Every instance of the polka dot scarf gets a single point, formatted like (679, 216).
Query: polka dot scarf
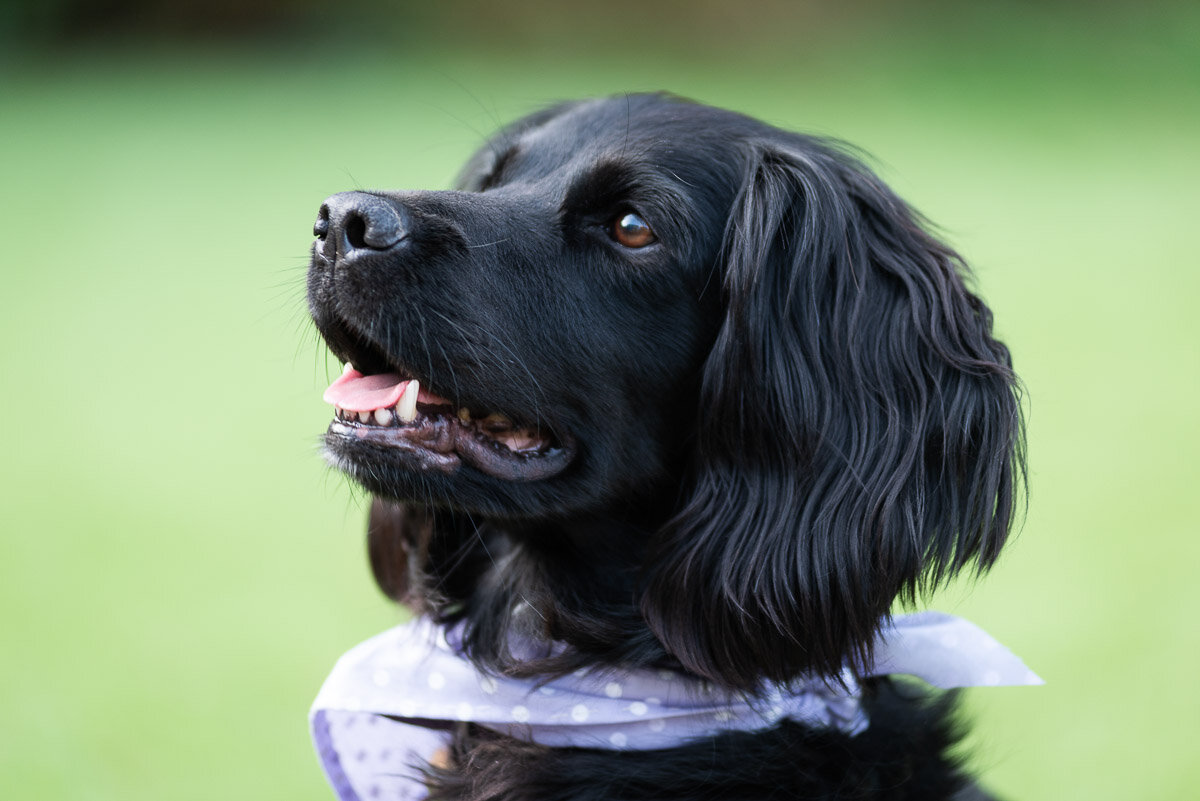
(416, 672)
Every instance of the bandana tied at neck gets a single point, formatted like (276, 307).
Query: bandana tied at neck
(390, 702)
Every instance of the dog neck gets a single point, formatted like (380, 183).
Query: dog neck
(574, 581)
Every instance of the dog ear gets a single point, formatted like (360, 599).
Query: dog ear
(431, 561)
(860, 429)
(387, 549)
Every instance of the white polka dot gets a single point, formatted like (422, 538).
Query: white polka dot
(991, 678)
(612, 690)
(464, 711)
(520, 714)
(381, 678)
(619, 740)
(658, 724)
(579, 713)
(488, 685)
(436, 681)
(637, 708)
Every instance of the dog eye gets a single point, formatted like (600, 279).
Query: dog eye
(631, 231)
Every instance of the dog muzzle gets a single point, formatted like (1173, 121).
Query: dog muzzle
(390, 704)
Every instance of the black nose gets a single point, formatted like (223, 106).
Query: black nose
(356, 221)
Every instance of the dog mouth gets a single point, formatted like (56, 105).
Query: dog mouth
(394, 412)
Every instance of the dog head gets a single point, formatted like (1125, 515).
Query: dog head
(731, 345)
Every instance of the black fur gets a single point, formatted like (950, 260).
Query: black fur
(783, 415)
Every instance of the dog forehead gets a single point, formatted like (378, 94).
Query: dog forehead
(655, 131)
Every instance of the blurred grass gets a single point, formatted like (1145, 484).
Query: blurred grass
(178, 571)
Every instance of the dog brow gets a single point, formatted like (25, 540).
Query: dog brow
(604, 183)
(499, 164)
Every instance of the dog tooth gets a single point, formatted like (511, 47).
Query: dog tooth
(406, 407)
(364, 417)
(383, 417)
(496, 422)
(348, 368)
(519, 440)
(464, 415)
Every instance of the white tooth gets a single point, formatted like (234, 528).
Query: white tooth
(349, 367)
(519, 440)
(464, 415)
(364, 417)
(406, 407)
(383, 417)
(496, 422)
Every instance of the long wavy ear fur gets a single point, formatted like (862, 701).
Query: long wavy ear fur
(860, 435)
(389, 545)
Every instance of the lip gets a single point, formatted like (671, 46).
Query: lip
(443, 443)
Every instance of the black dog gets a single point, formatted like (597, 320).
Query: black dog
(696, 394)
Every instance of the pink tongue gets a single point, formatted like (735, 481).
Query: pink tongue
(356, 392)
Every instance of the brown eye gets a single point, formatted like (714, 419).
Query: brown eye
(631, 231)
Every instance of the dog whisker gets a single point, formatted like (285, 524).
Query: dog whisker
(490, 244)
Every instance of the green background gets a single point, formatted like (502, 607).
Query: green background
(178, 570)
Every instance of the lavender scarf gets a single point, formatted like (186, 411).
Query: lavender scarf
(417, 672)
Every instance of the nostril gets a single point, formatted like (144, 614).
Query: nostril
(321, 226)
(356, 231)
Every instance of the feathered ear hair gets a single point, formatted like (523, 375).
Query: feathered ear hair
(429, 561)
(860, 429)
(392, 532)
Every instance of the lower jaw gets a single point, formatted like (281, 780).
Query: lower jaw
(344, 441)
(437, 446)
